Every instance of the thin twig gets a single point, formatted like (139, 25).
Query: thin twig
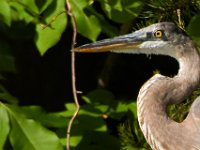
(44, 26)
(73, 20)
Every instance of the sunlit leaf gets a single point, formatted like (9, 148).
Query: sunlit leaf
(21, 12)
(55, 22)
(102, 108)
(26, 134)
(119, 110)
(121, 107)
(133, 107)
(30, 6)
(4, 125)
(75, 140)
(5, 13)
(88, 26)
(70, 106)
(86, 99)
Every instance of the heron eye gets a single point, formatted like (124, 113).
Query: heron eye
(158, 33)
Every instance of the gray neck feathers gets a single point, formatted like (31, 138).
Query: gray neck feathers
(160, 131)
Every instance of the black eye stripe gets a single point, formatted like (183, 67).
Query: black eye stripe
(149, 35)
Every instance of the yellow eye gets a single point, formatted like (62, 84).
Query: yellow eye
(158, 33)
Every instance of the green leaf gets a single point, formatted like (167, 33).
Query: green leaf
(5, 13)
(56, 21)
(42, 5)
(88, 121)
(133, 108)
(106, 27)
(21, 12)
(119, 111)
(122, 10)
(70, 106)
(36, 6)
(101, 96)
(4, 126)
(7, 97)
(86, 99)
(89, 113)
(96, 123)
(26, 134)
(103, 108)
(98, 141)
(7, 60)
(88, 26)
(75, 140)
(193, 28)
(30, 6)
(47, 119)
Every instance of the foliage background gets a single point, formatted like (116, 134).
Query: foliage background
(36, 100)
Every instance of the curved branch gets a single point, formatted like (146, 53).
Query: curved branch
(73, 20)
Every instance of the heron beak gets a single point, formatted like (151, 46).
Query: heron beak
(118, 44)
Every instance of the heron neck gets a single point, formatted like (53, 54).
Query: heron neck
(188, 77)
(160, 91)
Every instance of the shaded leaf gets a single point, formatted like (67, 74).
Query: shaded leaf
(36, 6)
(89, 120)
(128, 140)
(26, 134)
(122, 10)
(56, 21)
(30, 6)
(4, 125)
(193, 28)
(7, 97)
(47, 119)
(5, 12)
(42, 5)
(98, 141)
(106, 27)
(96, 123)
(7, 60)
(100, 96)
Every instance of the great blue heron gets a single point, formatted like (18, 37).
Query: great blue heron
(161, 132)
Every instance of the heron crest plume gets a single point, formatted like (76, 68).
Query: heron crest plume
(165, 38)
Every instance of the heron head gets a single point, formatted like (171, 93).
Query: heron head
(161, 38)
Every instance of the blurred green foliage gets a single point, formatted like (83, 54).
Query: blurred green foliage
(43, 23)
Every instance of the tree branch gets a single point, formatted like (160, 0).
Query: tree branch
(73, 21)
